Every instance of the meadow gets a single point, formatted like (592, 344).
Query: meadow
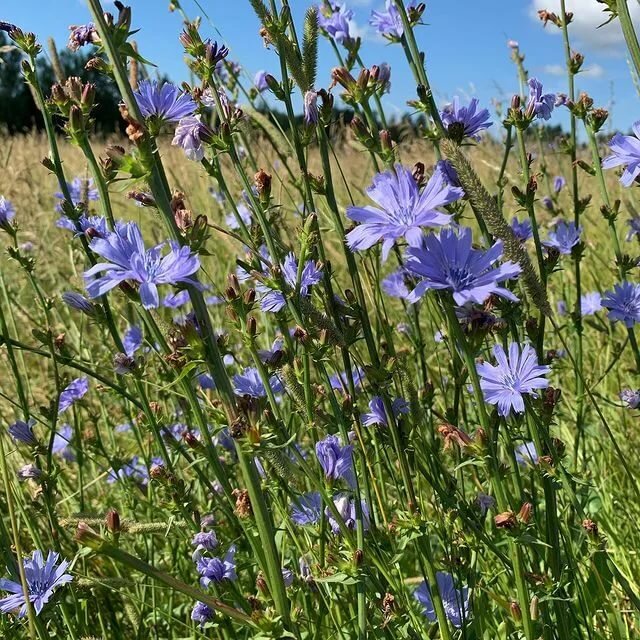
(317, 380)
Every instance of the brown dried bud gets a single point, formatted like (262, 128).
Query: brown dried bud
(525, 513)
(385, 140)
(358, 556)
(252, 326)
(452, 435)
(516, 611)
(58, 341)
(144, 198)
(238, 427)
(505, 520)
(113, 521)
(549, 16)
(263, 184)
(249, 296)
(261, 583)
(388, 605)
(183, 219)
(590, 527)
(191, 440)
(243, 503)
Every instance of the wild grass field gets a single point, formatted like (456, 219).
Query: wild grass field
(300, 416)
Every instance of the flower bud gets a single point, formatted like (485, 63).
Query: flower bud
(525, 513)
(113, 521)
(505, 520)
(516, 611)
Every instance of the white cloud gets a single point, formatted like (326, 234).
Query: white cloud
(585, 30)
(591, 71)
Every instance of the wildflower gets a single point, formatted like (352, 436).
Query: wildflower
(448, 172)
(631, 398)
(518, 373)
(526, 453)
(485, 502)
(634, 228)
(384, 77)
(388, 22)
(43, 577)
(590, 303)
(522, 230)
(447, 261)
(306, 509)
(81, 190)
(455, 601)
(128, 259)
(465, 122)
(216, 569)
(403, 210)
(74, 391)
(395, 284)
(165, 103)
(23, 432)
(249, 383)
(340, 381)
(175, 300)
(245, 215)
(7, 211)
(260, 81)
(202, 614)
(564, 237)
(92, 226)
(273, 300)
(132, 340)
(346, 507)
(310, 107)
(547, 202)
(62, 443)
(135, 470)
(266, 355)
(82, 34)
(625, 151)
(558, 183)
(28, 472)
(79, 302)
(623, 303)
(336, 460)
(189, 136)
(287, 577)
(561, 307)
(377, 414)
(335, 21)
(539, 105)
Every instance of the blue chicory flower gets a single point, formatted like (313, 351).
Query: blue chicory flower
(74, 391)
(79, 302)
(163, 102)
(310, 107)
(623, 303)
(455, 601)
(245, 215)
(80, 190)
(515, 374)
(526, 454)
(522, 230)
(465, 122)
(128, 259)
(62, 443)
(7, 211)
(189, 136)
(403, 209)
(335, 20)
(43, 578)
(306, 509)
(630, 397)
(558, 183)
(590, 303)
(22, 432)
(564, 237)
(625, 152)
(249, 383)
(213, 570)
(346, 507)
(336, 460)
(388, 22)
(260, 81)
(340, 381)
(132, 340)
(539, 105)
(634, 228)
(377, 413)
(448, 261)
(395, 284)
(201, 613)
(273, 300)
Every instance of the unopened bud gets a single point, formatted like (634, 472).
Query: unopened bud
(525, 513)
(113, 521)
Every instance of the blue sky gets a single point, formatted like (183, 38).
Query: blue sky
(464, 40)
